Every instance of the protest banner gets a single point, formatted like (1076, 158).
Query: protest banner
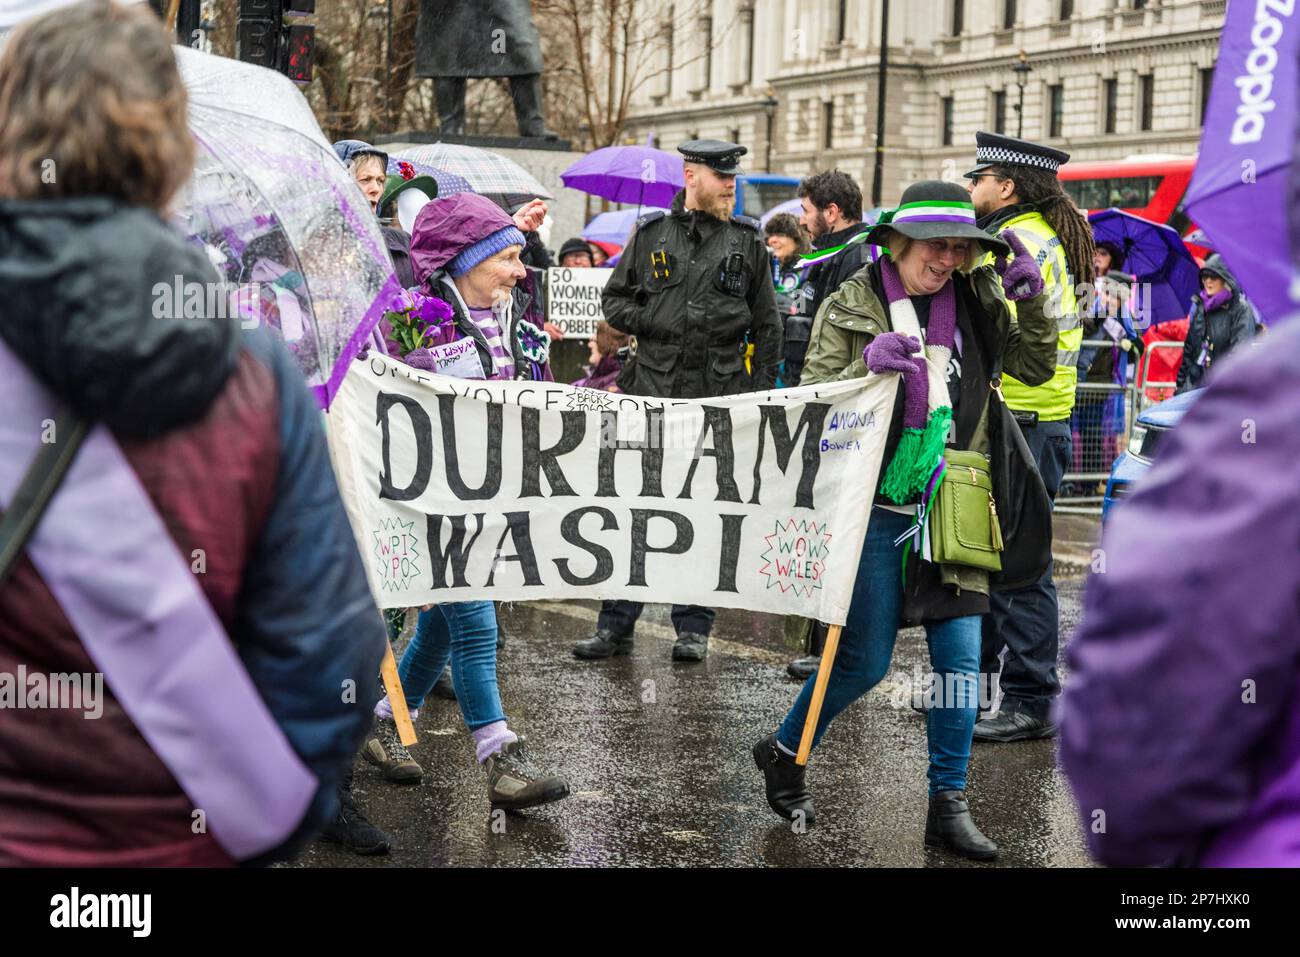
(461, 490)
(573, 299)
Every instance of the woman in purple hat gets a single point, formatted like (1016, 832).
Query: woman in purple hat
(924, 288)
(465, 253)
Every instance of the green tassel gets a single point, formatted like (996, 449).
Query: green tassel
(915, 459)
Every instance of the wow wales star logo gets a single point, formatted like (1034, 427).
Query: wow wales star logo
(395, 547)
(796, 556)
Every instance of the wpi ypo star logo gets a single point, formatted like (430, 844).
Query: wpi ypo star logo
(796, 556)
(395, 547)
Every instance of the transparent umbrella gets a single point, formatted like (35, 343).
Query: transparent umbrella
(281, 218)
(488, 173)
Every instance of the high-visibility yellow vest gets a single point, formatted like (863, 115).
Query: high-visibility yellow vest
(1054, 399)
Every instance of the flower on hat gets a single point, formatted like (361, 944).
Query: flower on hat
(405, 170)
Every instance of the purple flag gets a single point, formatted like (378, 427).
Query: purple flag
(1240, 190)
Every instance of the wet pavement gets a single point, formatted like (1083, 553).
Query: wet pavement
(657, 756)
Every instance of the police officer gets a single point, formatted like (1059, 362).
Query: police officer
(694, 285)
(1014, 188)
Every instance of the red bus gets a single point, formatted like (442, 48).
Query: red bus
(1152, 187)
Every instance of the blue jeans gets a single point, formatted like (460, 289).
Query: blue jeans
(465, 632)
(867, 645)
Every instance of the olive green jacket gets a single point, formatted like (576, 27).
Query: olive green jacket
(854, 315)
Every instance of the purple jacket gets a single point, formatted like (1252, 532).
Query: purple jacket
(447, 225)
(603, 376)
(1181, 719)
(441, 231)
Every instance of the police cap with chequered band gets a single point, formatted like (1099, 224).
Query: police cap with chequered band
(718, 156)
(994, 149)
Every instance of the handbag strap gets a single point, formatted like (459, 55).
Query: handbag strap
(38, 486)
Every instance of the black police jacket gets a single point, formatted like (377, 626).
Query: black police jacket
(694, 290)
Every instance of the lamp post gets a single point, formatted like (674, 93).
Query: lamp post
(1022, 70)
(769, 110)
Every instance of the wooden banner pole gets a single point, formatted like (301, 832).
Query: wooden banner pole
(819, 693)
(396, 697)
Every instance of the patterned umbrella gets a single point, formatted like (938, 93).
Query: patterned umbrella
(279, 216)
(448, 183)
(487, 173)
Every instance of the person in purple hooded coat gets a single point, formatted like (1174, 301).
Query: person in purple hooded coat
(1180, 724)
(465, 251)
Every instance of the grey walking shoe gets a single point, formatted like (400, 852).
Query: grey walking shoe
(514, 782)
(385, 751)
(690, 647)
(605, 644)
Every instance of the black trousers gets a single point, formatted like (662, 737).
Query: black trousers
(1027, 621)
(620, 617)
(526, 91)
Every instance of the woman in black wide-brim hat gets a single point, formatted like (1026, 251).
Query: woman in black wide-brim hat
(946, 282)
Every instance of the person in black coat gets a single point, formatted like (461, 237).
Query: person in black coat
(694, 286)
(1221, 320)
(832, 216)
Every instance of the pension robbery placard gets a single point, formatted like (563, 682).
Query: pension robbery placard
(460, 490)
(573, 299)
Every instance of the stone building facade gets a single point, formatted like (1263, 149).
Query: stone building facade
(1107, 79)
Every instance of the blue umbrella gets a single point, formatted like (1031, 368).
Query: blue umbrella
(1155, 255)
(616, 225)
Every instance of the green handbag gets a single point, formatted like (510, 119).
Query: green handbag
(963, 520)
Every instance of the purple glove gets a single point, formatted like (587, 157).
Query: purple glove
(1021, 278)
(419, 359)
(892, 352)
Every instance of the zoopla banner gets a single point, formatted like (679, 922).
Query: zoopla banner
(1240, 193)
(461, 490)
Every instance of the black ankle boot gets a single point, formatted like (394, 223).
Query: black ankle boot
(787, 793)
(949, 824)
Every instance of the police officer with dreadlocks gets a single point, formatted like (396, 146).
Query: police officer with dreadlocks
(1014, 189)
(694, 285)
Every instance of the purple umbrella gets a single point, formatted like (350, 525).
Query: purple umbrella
(1156, 256)
(628, 174)
(448, 183)
(792, 206)
(616, 225)
(1240, 192)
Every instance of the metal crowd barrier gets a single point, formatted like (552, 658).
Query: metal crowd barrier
(1103, 417)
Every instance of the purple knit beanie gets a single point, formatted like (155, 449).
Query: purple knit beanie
(488, 246)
